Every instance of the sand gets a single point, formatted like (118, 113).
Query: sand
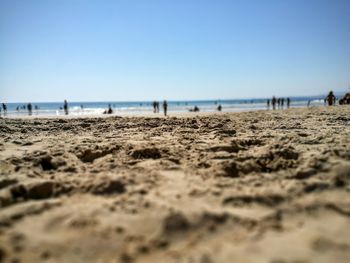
(266, 186)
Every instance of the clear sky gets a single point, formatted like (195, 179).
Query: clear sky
(86, 50)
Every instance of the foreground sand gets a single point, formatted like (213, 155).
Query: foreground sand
(242, 187)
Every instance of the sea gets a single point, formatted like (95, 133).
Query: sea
(141, 108)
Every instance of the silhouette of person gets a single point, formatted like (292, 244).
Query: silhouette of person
(278, 103)
(219, 107)
(4, 107)
(65, 107)
(282, 103)
(30, 109)
(274, 100)
(345, 99)
(110, 111)
(154, 106)
(330, 98)
(268, 104)
(165, 107)
(288, 103)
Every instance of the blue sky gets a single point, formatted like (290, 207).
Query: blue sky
(175, 49)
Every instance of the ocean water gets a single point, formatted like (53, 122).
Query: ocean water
(146, 108)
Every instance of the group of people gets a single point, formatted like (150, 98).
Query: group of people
(29, 107)
(331, 99)
(156, 107)
(279, 102)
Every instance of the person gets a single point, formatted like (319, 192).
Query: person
(65, 107)
(268, 104)
(345, 99)
(154, 106)
(274, 102)
(4, 107)
(282, 103)
(278, 103)
(17, 108)
(165, 107)
(157, 106)
(30, 109)
(195, 109)
(330, 98)
(288, 103)
(308, 103)
(110, 111)
(219, 107)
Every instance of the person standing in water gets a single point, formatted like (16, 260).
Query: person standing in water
(65, 107)
(274, 102)
(268, 104)
(330, 98)
(4, 107)
(165, 107)
(30, 109)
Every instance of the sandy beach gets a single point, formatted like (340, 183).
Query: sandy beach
(264, 186)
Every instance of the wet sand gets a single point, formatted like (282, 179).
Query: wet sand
(265, 186)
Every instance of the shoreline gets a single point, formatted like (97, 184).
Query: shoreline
(158, 115)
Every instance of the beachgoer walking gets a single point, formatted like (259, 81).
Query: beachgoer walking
(288, 103)
(268, 104)
(65, 107)
(330, 98)
(165, 107)
(282, 103)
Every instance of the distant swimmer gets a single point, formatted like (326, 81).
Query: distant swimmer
(30, 109)
(165, 107)
(219, 107)
(65, 107)
(330, 99)
(273, 101)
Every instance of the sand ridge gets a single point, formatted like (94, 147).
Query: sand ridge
(265, 186)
